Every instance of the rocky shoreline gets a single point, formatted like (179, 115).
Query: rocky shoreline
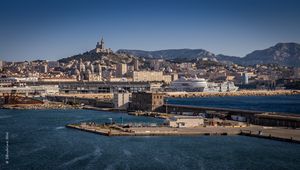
(45, 106)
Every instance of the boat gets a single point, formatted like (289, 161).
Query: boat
(200, 85)
(226, 86)
(188, 84)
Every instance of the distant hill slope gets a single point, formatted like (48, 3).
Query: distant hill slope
(170, 54)
(228, 59)
(287, 54)
(84, 57)
(111, 58)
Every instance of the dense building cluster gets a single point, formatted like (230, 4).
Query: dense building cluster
(103, 65)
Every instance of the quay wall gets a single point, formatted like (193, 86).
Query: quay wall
(283, 139)
(80, 100)
(253, 117)
(280, 134)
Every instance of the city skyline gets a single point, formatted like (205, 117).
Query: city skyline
(53, 29)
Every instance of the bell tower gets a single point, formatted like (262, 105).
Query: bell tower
(100, 48)
(102, 44)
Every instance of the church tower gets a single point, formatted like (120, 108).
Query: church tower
(100, 48)
(102, 44)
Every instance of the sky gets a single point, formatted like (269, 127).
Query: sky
(54, 29)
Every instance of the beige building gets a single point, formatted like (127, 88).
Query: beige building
(230, 78)
(121, 100)
(185, 121)
(1, 64)
(57, 80)
(167, 79)
(121, 69)
(145, 76)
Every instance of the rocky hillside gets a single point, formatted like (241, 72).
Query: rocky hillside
(111, 58)
(228, 59)
(287, 54)
(170, 54)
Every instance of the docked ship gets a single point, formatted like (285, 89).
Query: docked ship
(200, 85)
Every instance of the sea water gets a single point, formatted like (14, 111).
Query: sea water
(38, 139)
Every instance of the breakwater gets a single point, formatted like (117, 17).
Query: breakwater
(270, 136)
(48, 105)
(274, 133)
(237, 93)
(117, 130)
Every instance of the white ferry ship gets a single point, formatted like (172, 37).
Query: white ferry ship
(201, 85)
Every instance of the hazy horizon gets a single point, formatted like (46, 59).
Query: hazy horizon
(57, 29)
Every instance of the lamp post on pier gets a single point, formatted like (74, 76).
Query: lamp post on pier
(166, 105)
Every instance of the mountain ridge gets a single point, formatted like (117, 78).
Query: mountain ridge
(169, 53)
(287, 54)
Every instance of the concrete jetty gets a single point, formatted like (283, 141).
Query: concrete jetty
(251, 116)
(274, 133)
(280, 134)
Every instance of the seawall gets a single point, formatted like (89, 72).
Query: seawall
(237, 93)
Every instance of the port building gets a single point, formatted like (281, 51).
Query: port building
(185, 121)
(147, 101)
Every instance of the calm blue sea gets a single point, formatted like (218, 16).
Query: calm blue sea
(39, 140)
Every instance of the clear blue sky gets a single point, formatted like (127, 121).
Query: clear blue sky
(54, 29)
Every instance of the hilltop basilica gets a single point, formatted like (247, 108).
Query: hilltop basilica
(89, 70)
(101, 49)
